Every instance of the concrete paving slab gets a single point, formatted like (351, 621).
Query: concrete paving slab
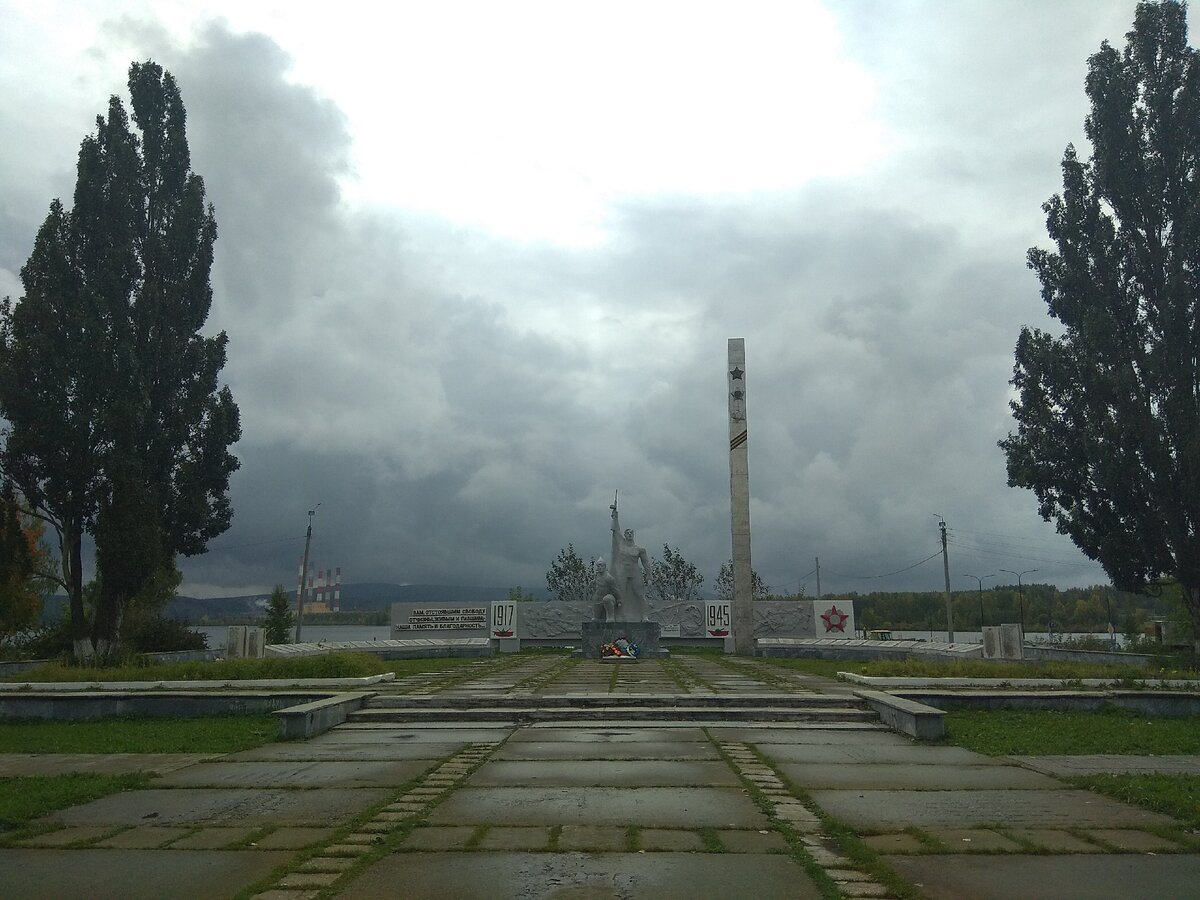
(388, 733)
(308, 773)
(605, 773)
(1132, 840)
(132, 874)
(894, 843)
(65, 837)
(145, 837)
(1085, 877)
(753, 841)
(900, 754)
(974, 840)
(213, 838)
(679, 807)
(966, 808)
(881, 776)
(302, 750)
(14, 765)
(591, 837)
(180, 806)
(849, 735)
(450, 837)
(1105, 764)
(536, 838)
(1054, 840)
(614, 735)
(292, 838)
(607, 750)
(539, 876)
(677, 840)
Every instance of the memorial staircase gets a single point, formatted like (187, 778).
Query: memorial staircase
(812, 709)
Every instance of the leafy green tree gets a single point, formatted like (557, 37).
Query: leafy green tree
(724, 583)
(569, 577)
(118, 426)
(673, 579)
(1108, 414)
(280, 618)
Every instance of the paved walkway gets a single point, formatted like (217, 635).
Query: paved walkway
(591, 809)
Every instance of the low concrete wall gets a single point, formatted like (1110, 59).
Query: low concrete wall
(17, 666)
(1167, 704)
(81, 705)
(1062, 654)
(918, 720)
(207, 655)
(307, 720)
(868, 651)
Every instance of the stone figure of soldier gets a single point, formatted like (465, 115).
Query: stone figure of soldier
(604, 594)
(631, 567)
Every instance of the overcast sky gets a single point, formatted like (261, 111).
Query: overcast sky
(478, 264)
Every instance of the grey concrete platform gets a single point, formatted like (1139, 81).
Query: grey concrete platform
(586, 809)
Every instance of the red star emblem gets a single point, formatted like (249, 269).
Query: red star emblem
(835, 619)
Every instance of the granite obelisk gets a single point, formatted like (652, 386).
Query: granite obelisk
(739, 501)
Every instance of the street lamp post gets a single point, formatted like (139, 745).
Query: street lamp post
(304, 575)
(980, 578)
(1020, 591)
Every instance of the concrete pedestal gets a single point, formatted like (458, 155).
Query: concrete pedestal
(644, 634)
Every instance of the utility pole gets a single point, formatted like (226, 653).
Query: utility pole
(946, 571)
(1021, 593)
(304, 575)
(818, 559)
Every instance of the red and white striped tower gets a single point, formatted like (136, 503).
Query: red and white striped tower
(337, 589)
(320, 585)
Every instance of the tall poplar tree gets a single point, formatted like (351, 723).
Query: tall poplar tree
(1108, 410)
(118, 426)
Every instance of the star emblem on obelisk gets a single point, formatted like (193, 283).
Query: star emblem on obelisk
(835, 619)
(737, 373)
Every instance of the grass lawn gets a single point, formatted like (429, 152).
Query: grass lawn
(329, 665)
(1173, 795)
(1003, 732)
(23, 799)
(214, 734)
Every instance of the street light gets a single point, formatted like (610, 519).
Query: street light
(304, 574)
(980, 580)
(1021, 591)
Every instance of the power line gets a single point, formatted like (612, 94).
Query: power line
(253, 544)
(1011, 555)
(886, 574)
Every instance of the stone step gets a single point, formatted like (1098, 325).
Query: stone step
(617, 713)
(606, 700)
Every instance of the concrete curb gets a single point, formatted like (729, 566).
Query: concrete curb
(888, 682)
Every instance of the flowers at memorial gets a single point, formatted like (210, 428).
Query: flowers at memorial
(621, 647)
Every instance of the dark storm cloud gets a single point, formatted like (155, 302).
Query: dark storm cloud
(464, 406)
